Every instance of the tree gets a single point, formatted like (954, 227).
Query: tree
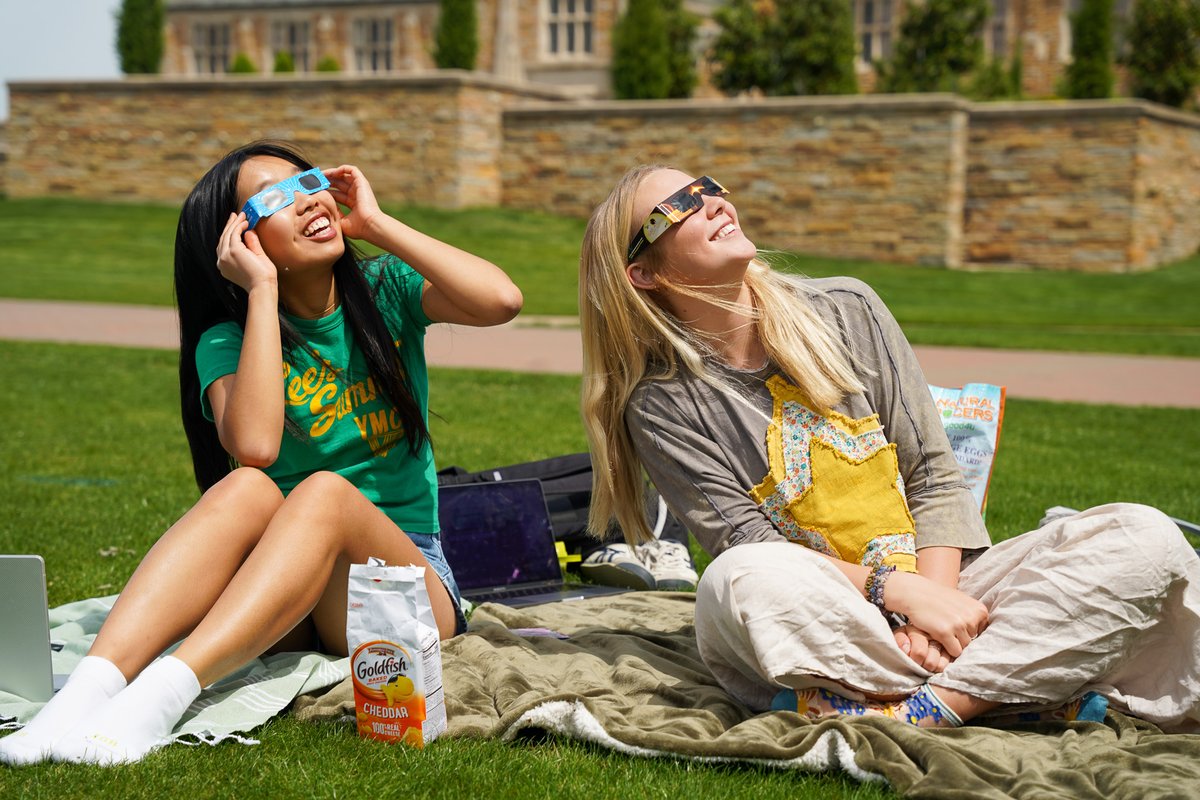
(456, 43)
(681, 26)
(796, 47)
(939, 42)
(741, 51)
(1090, 73)
(1162, 56)
(816, 46)
(641, 61)
(140, 36)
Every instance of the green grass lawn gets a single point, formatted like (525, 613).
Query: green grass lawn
(78, 250)
(94, 466)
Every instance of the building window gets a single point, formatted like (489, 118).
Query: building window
(873, 19)
(210, 48)
(292, 37)
(996, 31)
(569, 28)
(373, 39)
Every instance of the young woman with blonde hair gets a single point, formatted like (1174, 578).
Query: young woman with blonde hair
(772, 411)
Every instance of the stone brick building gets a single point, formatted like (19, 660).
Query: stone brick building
(563, 43)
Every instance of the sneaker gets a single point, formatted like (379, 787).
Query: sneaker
(670, 563)
(617, 565)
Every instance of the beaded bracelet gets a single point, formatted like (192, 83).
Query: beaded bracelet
(875, 583)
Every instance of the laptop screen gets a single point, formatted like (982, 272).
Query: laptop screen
(497, 533)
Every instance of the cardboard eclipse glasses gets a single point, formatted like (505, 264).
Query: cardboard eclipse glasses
(676, 208)
(283, 194)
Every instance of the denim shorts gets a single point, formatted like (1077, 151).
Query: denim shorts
(431, 547)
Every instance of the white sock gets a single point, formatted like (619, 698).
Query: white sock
(138, 720)
(93, 681)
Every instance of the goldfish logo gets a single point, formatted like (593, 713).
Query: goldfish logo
(397, 690)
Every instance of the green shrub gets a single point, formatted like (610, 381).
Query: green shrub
(993, 82)
(1162, 56)
(456, 41)
(329, 64)
(284, 62)
(801, 48)
(1090, 73)
(242, 65)
(741, 52)
(641, 62)
(681, 27)
(140, 36)
(939, 42)
(816, 47)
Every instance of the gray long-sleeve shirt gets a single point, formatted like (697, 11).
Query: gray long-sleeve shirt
(705, 449)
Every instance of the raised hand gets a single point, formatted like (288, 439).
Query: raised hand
(351, 189)
(240, 257)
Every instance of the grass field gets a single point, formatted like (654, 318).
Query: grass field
(93, 467)
(85, 422)
(77, 250)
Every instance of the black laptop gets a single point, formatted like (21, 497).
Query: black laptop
(498, 540)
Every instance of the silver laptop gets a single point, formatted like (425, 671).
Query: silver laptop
(499, 542)
(25, 668)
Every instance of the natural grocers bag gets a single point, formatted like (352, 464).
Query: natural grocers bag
(395, 654)
(971, 416)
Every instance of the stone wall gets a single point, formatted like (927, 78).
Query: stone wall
(918, 179)
(3, 159)
(860, 177)
(1166, 188)
(1094, 186)
(429, 139)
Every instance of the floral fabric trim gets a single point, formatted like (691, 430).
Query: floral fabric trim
(834, 483)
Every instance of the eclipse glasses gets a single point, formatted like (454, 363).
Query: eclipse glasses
(676, 208)
(283, 194)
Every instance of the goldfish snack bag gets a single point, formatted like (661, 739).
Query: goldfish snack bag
(395, 654)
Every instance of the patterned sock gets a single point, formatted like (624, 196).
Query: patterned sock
(819, 703)
(93, 681)
(135, 722)
(923, 708)
(1090, 707)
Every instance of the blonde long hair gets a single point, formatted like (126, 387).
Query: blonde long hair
(628, 337)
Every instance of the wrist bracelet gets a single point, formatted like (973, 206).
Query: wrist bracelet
(875, 582)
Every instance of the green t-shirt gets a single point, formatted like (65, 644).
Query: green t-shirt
(347, 426)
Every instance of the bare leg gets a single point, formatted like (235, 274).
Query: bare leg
(185, 572)
(297, 567)
(300, 566)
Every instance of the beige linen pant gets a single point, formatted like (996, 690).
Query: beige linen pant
(1105, 600)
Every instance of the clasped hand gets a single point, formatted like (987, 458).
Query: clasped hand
(942, 621)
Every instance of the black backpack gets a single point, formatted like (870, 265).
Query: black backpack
(567, 483)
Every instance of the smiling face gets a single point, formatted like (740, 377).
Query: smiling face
(708, 248)
(308, 232)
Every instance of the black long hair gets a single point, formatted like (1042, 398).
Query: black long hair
(205, 298)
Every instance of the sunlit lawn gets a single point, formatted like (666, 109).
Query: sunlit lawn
(76, 250)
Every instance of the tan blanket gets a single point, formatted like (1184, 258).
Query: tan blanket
(628, 677)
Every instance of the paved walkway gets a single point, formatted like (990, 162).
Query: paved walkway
(532, 344)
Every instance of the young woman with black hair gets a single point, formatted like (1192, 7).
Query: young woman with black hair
(302, 474)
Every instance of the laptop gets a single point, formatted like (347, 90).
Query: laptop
(25, 668)
(498, 540)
